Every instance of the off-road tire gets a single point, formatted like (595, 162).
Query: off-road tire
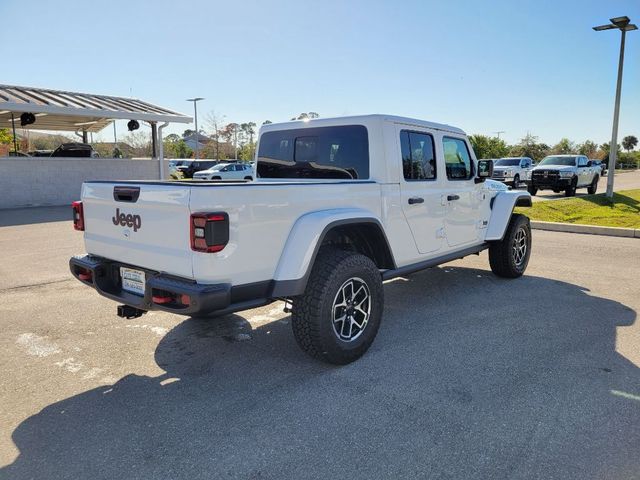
(501, 254)
(312, 317)
(593, 188)
(570, 191)
(532, 190)
(516, 181)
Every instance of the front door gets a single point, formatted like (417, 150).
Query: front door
(584, 172)
(421, 189)
(462, 194)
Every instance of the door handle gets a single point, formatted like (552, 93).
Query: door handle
(414, 200)
(451, 198)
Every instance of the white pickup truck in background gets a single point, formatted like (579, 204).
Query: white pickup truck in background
(564, 173)
(338, 206)
(512, 170)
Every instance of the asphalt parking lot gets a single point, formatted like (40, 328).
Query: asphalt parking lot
(625, 180)
(471, 376)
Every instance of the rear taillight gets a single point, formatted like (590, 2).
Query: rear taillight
(209, 231)
(78, 216)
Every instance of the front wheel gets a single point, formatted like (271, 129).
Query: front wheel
(510, 256)
(532, 190)
(593, 188)
(338, 316)
(516, 181)
(570, 191)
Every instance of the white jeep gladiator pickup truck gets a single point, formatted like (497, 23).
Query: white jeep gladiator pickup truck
(337, 207)
(564, 173)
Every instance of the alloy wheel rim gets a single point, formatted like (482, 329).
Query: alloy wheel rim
(520, 247)
(351, 309)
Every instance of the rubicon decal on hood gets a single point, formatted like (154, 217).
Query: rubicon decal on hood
(127, 220)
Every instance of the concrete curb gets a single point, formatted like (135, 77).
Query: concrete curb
(588, 229)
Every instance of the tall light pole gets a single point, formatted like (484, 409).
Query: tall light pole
(498, 133)
(624, 25)
(195, 116)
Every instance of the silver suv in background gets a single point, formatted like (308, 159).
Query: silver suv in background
(511, 170)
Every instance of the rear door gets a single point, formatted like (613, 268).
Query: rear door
(239, 171)
(461, 196)
(144, 225)
(421, 188)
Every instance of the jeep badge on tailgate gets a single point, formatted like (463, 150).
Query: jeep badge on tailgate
(127, 220)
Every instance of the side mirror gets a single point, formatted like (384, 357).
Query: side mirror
(485, 170)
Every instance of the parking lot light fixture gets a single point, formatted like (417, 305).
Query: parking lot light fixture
(195, 115)
(624, 25)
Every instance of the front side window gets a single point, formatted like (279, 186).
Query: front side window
(457, 159)
(340, 152)
(418, 156)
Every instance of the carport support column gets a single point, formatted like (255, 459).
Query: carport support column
(154, 140)
(161, 149)
(84, 136)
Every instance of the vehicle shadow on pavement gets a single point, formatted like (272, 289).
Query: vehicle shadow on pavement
(30, 215)
(465, 380)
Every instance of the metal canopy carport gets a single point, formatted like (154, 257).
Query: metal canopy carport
(72, 111)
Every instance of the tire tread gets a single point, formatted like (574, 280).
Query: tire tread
(306, 315)
(500, 252)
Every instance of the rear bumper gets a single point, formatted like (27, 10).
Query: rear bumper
(105, 278)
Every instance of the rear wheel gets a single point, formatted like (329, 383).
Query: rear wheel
(216, 178)
(248, 178)
(338, 316)
(510, 256)
(593, 188)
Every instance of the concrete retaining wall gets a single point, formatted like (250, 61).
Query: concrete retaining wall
(57, 181)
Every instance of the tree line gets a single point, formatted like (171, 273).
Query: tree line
(224, 140)
(220, 140)
(530, 146)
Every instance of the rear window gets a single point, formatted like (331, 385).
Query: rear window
(322, 152)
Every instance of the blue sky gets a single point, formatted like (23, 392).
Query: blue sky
(518, 66)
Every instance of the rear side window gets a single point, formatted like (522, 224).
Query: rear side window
(418, 156)
(323, 152)
(457, 159)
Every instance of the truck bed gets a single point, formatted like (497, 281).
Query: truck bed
(261, 216)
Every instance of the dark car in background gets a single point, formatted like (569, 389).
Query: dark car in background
(195, 166)
(75, 150)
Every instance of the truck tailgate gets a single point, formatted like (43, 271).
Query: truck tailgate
(151, 232)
